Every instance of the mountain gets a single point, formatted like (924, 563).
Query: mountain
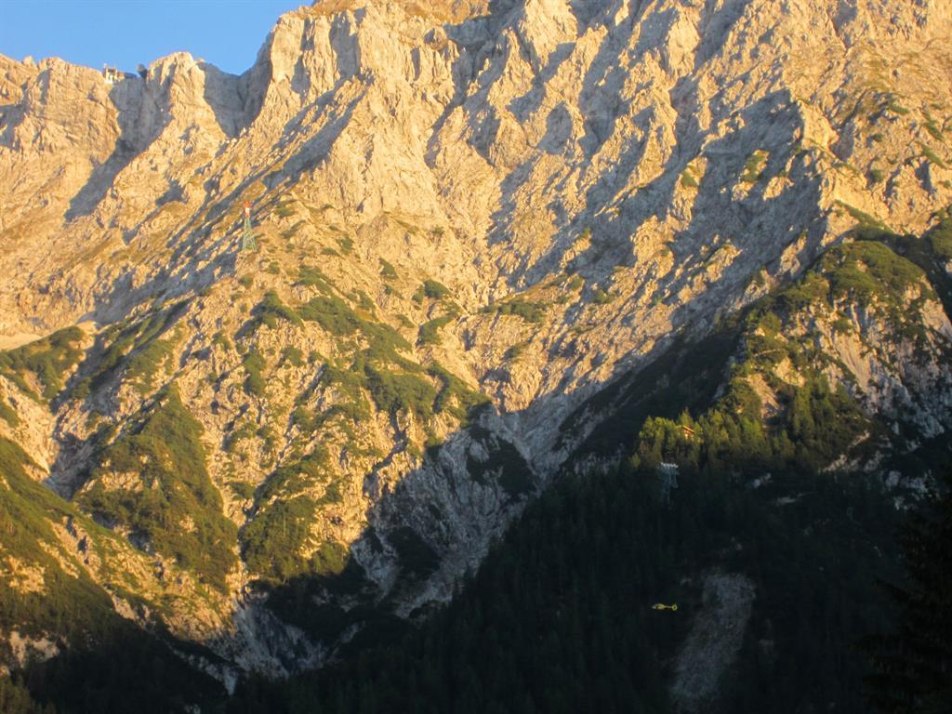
(496, 242)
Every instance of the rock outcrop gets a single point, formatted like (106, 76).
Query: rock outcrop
(472, 217)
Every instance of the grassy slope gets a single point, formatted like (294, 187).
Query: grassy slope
(559, 617)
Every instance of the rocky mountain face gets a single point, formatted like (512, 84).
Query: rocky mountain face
(473, 222)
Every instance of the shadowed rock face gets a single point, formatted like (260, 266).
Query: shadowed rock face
(522, 200)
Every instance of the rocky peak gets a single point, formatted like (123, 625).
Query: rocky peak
(506, 204)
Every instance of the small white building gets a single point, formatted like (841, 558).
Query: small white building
(112, 75)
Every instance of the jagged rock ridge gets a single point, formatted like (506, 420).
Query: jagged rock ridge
(512, 202)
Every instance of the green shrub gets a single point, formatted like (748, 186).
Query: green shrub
(245, 430)
(293, 356)
(271, 310)
(70, 604)
(395, 392)
(430, 331)
(332, 314)
(865, 220)
(933, 128)
(387, 271)
(533, 312)
(297, 476)
(309, 276)
(289, 233)
(123, 340)
(330, 558)
(166, 455)
(242, 489)
(455, 396)
(364, 301)
(146, 362)
(302, 418)
(8, 414)
(346, 244)
(601, 297)
(254, 364)
(432, 289)
(754, 167)
(515, 351)
(221, 339)
(932, 157)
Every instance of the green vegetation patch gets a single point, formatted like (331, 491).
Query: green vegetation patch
(430, 331)
(940, 237)
(816, 427)
(172, 503)
(148, 361)
(395, 392)
(254, 364)
(387, 271)
(8, 414)
(332, 314)
(295, 477)
(310, 276)
(688, 179)
(289, 233)
(274, 543)
(284, 209)
(754, 167)
(455, 396)
(48, 360)
(865, 221)
(864, 272)
(293, 356)
(270, 311)
(103, 652)
(531, 312)
(120, 342)
(64, 604)
(601, 297)
(932, 156)
(815, 423)
(349, 384)
(346, 244)
(432, 289)
(868, 270)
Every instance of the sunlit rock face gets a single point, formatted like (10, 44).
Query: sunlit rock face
(471, 217)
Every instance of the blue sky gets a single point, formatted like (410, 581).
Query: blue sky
(124, 33)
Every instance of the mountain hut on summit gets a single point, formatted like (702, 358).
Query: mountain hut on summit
(113, 75)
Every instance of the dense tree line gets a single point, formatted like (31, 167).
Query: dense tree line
(913, 662)
(559, 618)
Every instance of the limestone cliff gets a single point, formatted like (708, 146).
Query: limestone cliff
(471, 218)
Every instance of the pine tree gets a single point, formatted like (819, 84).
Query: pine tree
(913, 665)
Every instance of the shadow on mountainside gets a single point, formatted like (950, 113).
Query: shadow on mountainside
(141, 120)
